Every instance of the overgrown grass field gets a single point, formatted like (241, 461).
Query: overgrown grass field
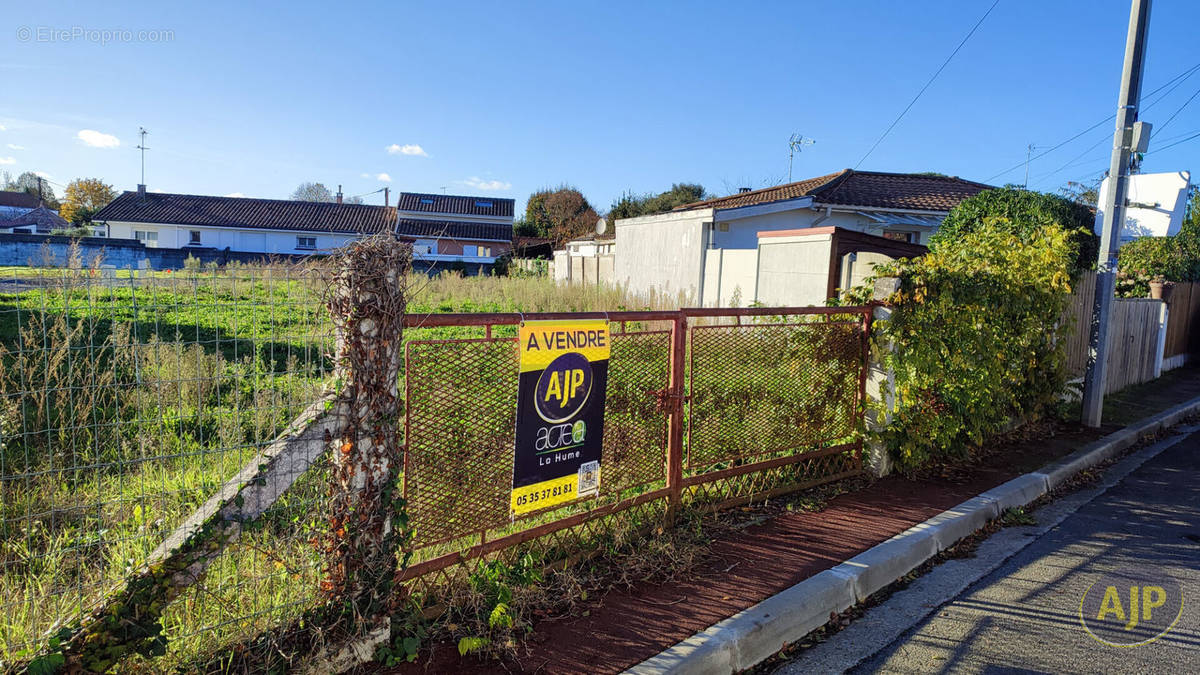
(125, 403)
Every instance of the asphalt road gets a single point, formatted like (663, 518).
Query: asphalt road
(1025, 616)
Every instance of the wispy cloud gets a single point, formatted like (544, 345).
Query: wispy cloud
(487, 185)
(384, 177)
(3, 128)
(14, 146)
(43, 174)
(97, 139)
(8, 160)
(410, 149)
(364, 175)
(235, 194)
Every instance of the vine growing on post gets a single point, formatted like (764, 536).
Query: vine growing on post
(977, 334)
(366, 297)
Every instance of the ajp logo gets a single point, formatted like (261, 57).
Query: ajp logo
(1131, 609)
(563, 388)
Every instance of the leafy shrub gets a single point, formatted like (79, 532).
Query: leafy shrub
(1170, 258)
(977, 338)
(1025, 213)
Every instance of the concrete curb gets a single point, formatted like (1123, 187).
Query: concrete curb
(752, 635)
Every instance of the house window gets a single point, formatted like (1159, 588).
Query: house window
(425, 247)
(485, 251)
(722, 227)
(149, 238)
(306, 243)
(909, 237)
(99, 232)
(193, 237)
(470, 251)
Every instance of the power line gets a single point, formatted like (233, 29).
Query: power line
(1176, 81)
(1171, 145)
(1176, 113)
(931, 79)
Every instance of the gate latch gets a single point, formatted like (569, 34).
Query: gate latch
(668, 401)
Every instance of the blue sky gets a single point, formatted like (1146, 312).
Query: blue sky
(507, 98)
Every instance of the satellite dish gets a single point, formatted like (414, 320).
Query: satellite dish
(601, 226)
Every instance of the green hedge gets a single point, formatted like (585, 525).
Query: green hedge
(1024, 213)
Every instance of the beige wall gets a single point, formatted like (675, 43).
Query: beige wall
(793, 271)
(663, 253)
(730, 277)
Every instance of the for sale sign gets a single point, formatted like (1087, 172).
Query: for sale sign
(560, 412)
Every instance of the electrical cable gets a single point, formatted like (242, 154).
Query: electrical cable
(931, 79)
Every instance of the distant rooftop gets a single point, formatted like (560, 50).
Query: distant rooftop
(874, 189)
(43, 218)
(455, 204)
(287, 214)
(244, 212)
(20, 200)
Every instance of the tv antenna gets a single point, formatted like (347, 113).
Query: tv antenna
(1028, 154)
(142, 146)
(795, 144)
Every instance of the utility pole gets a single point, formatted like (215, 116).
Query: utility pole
(1114, 211)
(795, 143)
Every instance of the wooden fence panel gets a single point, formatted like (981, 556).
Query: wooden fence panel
(1078, 315)
(1133, 340)
(1183, 322)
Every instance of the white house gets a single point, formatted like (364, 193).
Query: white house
(443, 228)
(713, 250)
(588, 259)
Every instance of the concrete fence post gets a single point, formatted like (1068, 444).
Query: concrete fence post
(366, 298)
(881, 384)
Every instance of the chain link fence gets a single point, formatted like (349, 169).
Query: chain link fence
(127, 399)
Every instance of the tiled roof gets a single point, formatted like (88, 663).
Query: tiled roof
(862, 188)
(20, 200)
(280, 214)
(766, 195)
(41, 217)
(453, 229)
(458, 204)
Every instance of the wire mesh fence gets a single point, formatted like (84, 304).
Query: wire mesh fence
(127, 399)
(766, 401)
(130, 401)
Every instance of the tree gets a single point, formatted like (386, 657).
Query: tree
(1024, 213)
(30, 183)
(312, 192)
(83, 198)
(630, 205)
(560, 214)
(1087, 194)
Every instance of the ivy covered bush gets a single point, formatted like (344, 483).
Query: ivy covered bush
(976, 335)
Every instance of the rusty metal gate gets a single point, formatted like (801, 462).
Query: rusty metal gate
(705, 408)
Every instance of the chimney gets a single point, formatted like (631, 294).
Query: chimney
(385, 196)
(141, 192)
(743, 189)
(339, 194)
